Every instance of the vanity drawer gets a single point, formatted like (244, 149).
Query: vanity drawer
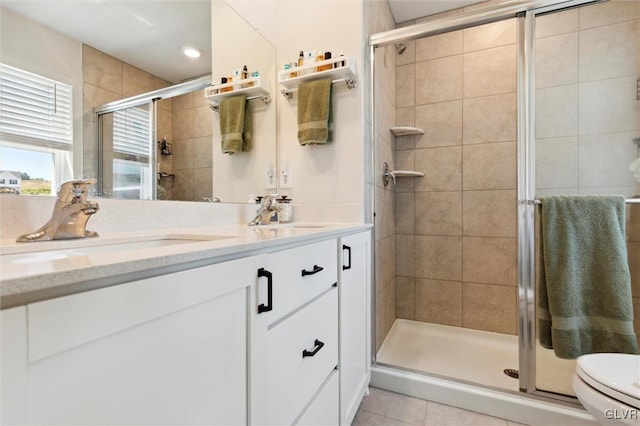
(297, 276)
(302, 351)
(324, 409)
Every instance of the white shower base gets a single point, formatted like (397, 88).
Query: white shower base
(460, 353)
(475, 357)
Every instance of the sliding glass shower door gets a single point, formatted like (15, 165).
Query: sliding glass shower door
(127, 152)
(587, 126)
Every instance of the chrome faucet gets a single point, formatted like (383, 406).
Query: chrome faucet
(266, 212)
(70, 214)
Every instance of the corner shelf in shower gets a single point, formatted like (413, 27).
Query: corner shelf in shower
(216, 93)
(406, 131)
(343, 69)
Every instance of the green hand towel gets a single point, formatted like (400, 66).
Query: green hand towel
(314, 112)
(235, 121)
(584, 290)
(247, 142)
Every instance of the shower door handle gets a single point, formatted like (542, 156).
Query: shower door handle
(269, 306)
(346, 247)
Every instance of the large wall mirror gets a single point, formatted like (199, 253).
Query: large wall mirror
(111, 51)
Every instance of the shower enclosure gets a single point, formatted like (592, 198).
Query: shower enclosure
(134, 144)
(517, 101)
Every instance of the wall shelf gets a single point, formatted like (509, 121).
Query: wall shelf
(341, 73)
(215, 92)
(388, 174)
(406, 131)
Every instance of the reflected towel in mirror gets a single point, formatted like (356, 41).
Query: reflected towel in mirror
(235, 125)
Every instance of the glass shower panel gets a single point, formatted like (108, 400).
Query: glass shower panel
(587, 116)
(127, 153)
(455, 295)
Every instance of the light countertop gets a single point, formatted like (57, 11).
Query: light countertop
(36, 271)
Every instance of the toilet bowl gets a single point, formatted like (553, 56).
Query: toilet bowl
(608, 386)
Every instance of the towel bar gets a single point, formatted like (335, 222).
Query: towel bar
(264, 98)
(627, 201)
(351, 83)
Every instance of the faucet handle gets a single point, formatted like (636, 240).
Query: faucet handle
(74, 191)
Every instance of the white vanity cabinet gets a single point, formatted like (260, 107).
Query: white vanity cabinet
(310, 362)
(164, 350)
(294, 348)
(355, 322)
(282, 337)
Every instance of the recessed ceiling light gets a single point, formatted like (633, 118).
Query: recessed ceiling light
(191, 52)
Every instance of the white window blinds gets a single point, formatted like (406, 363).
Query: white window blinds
(35, 110)
(132, 131)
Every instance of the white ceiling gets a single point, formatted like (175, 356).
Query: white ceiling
(148, 34)
(405, 10)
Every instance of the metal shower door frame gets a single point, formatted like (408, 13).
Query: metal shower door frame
(525, 12)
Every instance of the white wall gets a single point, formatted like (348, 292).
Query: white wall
(328, 180)
(27, 45)
(329, 174)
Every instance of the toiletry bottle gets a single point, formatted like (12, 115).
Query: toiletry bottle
(237, 78)
(244, 76)
(286, 74)
(300, 61)
(223, 80)
(310, 58)
(319, 58)
(326, 56)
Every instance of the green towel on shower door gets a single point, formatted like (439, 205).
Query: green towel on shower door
(584, 291)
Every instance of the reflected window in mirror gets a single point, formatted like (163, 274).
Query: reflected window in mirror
(36, 130)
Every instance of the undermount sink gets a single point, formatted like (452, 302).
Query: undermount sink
(87, 247)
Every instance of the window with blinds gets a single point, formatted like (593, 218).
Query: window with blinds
(132, 133)
(35, 110)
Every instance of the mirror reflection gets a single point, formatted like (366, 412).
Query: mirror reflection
(83, 53)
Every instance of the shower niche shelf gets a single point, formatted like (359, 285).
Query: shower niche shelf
(216, 93)
(391, 175)
(343, 69)
(405, 131)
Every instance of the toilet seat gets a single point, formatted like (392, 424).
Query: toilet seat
(614, 375)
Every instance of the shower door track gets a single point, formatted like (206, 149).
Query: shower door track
(525, 11)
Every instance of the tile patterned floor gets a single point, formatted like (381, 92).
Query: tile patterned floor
(382, 407)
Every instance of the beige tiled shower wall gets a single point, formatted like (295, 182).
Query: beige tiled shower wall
(107, 79)
(587, 66)
(378, 18)
(192, 147)
(456, 226)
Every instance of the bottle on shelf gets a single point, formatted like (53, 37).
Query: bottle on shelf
(245, 75)
(326, 56)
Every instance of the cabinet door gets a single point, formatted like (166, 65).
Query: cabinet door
(355, 306)
(164, 350)
(13, 367)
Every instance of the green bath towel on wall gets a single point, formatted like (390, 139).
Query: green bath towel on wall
(584, 289)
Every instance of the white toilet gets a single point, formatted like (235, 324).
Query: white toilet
(608, 385)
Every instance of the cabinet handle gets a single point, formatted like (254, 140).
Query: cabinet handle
(318, 345)
(269, 306)
(346, 247)
(316, 269)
